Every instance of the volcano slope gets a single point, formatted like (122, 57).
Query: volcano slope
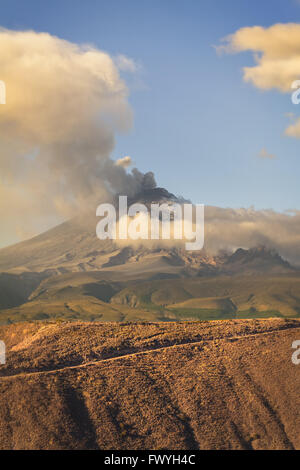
(187, 385)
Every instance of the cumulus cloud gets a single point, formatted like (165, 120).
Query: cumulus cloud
(64, 105)
(276, 52)
(266, 155)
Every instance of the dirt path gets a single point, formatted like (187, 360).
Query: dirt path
(149, 351)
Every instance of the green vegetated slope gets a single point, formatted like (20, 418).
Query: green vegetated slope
(91, 296)
(73, 296)
(218, 297)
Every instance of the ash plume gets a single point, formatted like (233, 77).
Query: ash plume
(65, 104)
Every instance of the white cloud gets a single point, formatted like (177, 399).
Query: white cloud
(266, 155)
(126, 64)
(276, 52)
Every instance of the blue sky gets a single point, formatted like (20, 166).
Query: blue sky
(197, 124)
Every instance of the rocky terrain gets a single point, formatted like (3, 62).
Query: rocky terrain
(184, 385)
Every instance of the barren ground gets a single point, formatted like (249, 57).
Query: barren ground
(186, 385)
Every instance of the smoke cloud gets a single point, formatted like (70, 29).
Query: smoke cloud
(230, 229)
(64, 105)
(124, 162)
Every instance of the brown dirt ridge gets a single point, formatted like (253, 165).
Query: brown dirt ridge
(226, 384)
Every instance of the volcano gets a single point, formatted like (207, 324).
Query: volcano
(68, 272)
(74, 247)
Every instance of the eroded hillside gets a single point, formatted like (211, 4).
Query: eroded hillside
(188, 385)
